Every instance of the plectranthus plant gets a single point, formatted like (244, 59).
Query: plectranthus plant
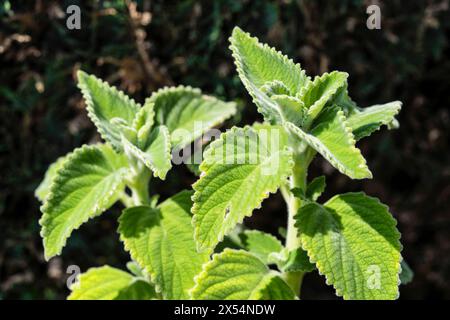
(351, 239)
(138, 143)
(193, 245)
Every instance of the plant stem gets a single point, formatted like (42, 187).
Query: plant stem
(297, 180)
(139, 188)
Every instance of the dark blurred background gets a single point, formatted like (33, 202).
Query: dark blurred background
(144, 45)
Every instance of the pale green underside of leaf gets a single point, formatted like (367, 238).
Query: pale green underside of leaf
(260, 244)
(156, 154)
(239, 171)
(43, 189)
(86, 185)
(107, 283)
(188, 113)
(367, 120)
(239, 275)
(257, 65)
(318, 92)
(104, 103)
(161, 241)
(354, 242)
(406, 275)
(333, 139)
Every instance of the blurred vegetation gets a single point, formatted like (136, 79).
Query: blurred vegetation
(144, 45)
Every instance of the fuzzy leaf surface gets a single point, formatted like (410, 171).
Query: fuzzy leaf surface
(155, 153)
(257, 65)
(85, 186)
(354, 242)
(104, 103)
(261, 244)
(239, 275)
(239, 171)
(108, 283)
(161, 241)
(367, 120)
(188, 113)
(333, 139)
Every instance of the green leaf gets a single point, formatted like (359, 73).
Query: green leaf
(188, 113)
(143, 123)
(275, 87)
(318, 92)
(292, 109)
(260, 244)
(161, 240)
(239, 171)
(105, 103)
(107, 283)
(315, 188)
(239, 275)
(257, 65)
(354, 242)
(155, 154)
(367, 120)
(333, 139)
(43, 189)
(87, 184)
(292, 260)
(406, 275)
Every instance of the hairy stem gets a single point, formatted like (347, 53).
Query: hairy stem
(139, 188)
(297, 180)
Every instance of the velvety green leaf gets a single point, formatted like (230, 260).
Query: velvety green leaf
(318, 92)
(188, 113)
(260, 244)
(107, 283)
(239, 275)
(315, 188)
(155, 154)
(257, 65)
(105, 103)
(354, 242)
(143, 123)
(333, 139)
(44, 187)
(86, 185)
(239, 171)
(367, 120)
(161, 240)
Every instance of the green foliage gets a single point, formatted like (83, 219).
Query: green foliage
(247, 169)
(87, 184)
(238, 275)
(104, 103)
(351, 239)
(188, 113)
(161, 240)
(107, 283)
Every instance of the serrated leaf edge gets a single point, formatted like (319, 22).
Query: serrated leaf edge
(196, 195)
(324, 151)
(240, 69)
(90, 104)
(98, 209)
(313, 258)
